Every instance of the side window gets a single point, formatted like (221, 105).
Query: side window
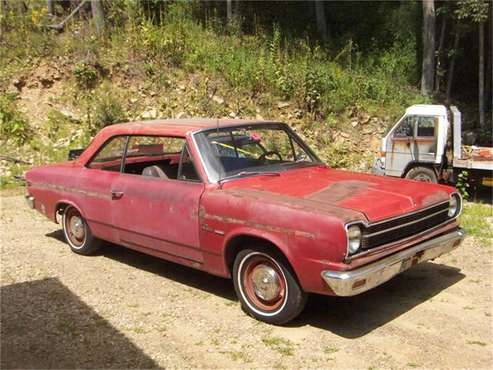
(426, 126)
(405, 129)
(187, 168)
(109, 157)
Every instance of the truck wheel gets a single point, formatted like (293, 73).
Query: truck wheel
(424, 174)
(77, 232)
(266, 287)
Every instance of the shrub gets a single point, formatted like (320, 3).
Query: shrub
(105, 108)
(85, 75)
(13, 124)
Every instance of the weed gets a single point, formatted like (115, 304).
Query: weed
(85, 75)
(330, 350)
(281, 345)
(463, 184)
(476, 342)
(13, 124)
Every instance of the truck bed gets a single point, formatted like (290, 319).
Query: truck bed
(475, 157)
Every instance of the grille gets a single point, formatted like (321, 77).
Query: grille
(403, 227)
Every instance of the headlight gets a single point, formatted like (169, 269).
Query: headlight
(353, 238)
(454, 206)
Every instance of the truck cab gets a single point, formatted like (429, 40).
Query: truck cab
(418, 146)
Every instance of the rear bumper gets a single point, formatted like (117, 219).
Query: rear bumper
(30, 201)
(349, 283)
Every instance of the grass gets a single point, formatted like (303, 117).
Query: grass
(477, 220)
(476, 342)
(281, 345)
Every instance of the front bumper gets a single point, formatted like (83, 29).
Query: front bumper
(349, 283)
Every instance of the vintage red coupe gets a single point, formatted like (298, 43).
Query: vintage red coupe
(246, 200)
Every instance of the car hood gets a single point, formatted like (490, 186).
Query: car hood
(376, 197)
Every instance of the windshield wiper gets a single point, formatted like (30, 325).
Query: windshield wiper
(246, 174)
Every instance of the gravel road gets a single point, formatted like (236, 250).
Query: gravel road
(122, 309)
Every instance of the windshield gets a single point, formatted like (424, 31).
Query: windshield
(252, 149)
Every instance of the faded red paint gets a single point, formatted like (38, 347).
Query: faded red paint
(302, 211)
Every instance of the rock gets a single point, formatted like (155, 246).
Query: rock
(152, 93)
(232, 115)
(180, 115)
(354, 123)
(19, 83)
(151, 113)
(365, 118)
(259, 117)
(133, 100)
(218, 99)
(283, 104)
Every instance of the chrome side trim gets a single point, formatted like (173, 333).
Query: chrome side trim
(406, 224)
(352, 282)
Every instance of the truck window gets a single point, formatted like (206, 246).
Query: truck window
(405, 129)
(426, 126)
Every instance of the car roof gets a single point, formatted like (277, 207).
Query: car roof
(173, 127)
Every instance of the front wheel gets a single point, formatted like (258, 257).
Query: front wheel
(266, 287)
(77, 232)
(423, 174)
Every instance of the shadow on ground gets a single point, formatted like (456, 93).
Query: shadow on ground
(348, 317)
(353, 317)
(45, 326)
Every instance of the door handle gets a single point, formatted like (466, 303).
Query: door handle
(116, 194)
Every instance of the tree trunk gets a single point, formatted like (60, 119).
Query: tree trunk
(50, 7)
(428, 70)
(98, 15)
(491, 63)
(438, 71)
(481, 75)
(452, 66)
(321, 21)
(229, 11)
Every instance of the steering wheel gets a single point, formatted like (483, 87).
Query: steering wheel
(270, 152)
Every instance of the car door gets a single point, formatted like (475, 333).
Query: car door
(159, 214)
(95, 185)
(400, 147)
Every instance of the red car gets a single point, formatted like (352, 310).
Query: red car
(249, 201)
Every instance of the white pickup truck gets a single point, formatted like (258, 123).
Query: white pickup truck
(426, 145)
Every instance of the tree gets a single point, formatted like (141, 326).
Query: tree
(229, 11)
(477, 12)
(428, 68)
(98, 15)
(50, 7)
(321, 21)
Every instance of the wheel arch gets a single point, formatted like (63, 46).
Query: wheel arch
(243, 240)
(61, 205)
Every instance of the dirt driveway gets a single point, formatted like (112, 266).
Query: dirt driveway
(123, 309)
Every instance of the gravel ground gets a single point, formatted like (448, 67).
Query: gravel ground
(122, 309)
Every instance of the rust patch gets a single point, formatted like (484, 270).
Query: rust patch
(339, 191)
(255, 225)
(73, 190)
(297, 203)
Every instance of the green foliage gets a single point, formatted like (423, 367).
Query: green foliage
(85, 75)
(473, 10)
(463, 184)
(13, 124)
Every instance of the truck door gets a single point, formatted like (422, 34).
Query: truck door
(400, 147)
(425, 139)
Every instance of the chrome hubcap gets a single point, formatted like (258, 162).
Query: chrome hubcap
(77, 227)
(266, 283)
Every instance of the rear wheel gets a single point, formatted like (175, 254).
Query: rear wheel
(77, 232)
(423, 174)
(266, 287)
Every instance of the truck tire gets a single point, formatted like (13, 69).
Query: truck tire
(267, 287)
(423, 174)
